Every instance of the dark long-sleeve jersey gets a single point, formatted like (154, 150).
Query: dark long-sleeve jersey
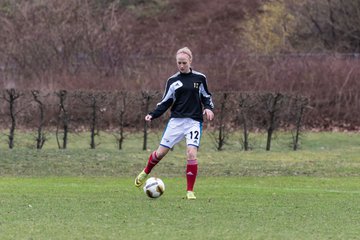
(188, 94)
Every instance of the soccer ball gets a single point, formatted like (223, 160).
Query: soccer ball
(154, 187)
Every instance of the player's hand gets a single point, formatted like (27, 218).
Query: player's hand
(148, 118)
(209, 114)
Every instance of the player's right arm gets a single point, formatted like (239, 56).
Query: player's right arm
(166, 102)
(148, 118)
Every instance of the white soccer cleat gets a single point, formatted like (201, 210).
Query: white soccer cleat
(190, 195)
(140, 179)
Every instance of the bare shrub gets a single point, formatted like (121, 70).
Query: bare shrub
(96, 103)
(298, 107)
(246, 115)
(40, 101)
(62, 119)
(11, 96)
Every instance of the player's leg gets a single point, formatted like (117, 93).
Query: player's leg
(191, 171)
(154, 159)
(172, 135)
(193, 137)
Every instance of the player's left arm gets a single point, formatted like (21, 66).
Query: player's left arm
(206, 100)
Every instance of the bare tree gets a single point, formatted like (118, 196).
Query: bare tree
(300, 104)
(10, 96)
(120, 137)
(41, 138)
(96, 102)
(223, 130)
(272, 103)
(62, 119)
(93, 121)
(146, 98)
(246, 105)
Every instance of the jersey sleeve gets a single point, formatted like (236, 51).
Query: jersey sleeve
(166, 101)
(206, 97)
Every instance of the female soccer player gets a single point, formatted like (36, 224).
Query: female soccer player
(187, 94)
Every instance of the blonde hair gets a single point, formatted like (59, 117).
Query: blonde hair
(186, 51)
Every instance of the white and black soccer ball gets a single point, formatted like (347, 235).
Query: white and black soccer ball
(154, 187)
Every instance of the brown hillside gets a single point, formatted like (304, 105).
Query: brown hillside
(129, 45)
(207, 27)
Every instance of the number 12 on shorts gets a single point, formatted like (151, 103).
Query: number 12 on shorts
(194, 135)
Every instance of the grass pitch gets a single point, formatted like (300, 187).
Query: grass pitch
(226, 208)
(80, 193)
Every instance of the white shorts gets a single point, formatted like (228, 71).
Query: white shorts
(180, 128)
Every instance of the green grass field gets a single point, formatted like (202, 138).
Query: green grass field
(80, 193)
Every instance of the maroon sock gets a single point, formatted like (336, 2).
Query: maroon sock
(191, 173)
(153, 160)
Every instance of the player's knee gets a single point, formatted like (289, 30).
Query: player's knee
(191, 153)
(160, 153)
